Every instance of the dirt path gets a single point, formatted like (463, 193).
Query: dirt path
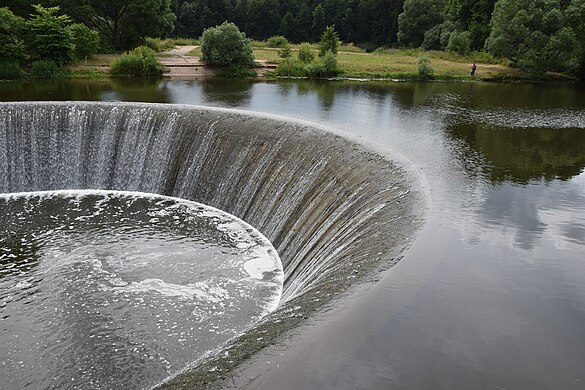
(178, 64)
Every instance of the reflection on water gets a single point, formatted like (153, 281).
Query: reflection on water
(525, 155)
(492, 294)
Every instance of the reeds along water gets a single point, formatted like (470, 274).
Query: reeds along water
(331, 209)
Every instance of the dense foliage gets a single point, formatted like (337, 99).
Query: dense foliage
(539, 35)
(123, 24)
(364, 21)
(535, 34)
(43, 43)
(140, 62)
(11, 33)
(329, 41)
(50, 36)
(226, 45)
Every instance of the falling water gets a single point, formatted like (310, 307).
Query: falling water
(333, 210)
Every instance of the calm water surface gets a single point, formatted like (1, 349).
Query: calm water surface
(492, 293)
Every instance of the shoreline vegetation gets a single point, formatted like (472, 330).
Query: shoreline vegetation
(354, 63)
(429, 40)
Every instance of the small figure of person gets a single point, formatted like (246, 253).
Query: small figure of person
(473, 68)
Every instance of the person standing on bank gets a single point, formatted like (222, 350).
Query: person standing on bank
(473, 68)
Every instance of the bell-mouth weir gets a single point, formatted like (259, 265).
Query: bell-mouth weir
(335, 211)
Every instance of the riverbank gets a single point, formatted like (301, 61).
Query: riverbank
(391, 64)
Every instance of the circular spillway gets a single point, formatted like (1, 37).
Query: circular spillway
(113, 288)
(335, 211)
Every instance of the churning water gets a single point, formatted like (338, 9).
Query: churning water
(118, 290)
(106, 289)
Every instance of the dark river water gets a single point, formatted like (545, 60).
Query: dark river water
(491, 294)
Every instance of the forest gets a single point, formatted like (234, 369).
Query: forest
(537, 35)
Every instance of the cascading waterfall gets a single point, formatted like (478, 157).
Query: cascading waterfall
(333, 210)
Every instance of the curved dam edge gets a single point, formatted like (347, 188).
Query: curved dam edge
(336, 208)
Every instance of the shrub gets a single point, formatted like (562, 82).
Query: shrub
(460, 42)
(237, 72)
(225, 45)
(46, 69)
(330, 63)
(86, 40)
(10, 70)
(325, 66)
(285, 52)
(277, 41)
(306, 54)
(329, 41)
(291, 68)
(425, 69)
(141, 61)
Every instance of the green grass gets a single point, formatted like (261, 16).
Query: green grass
(383, 63)
(403, 64)
(195, 52)
(184, 41)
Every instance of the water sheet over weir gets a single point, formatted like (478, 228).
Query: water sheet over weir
(333, 210)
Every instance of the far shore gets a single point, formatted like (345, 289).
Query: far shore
(392, 64)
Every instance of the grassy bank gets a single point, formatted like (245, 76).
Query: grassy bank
(356, 63)
(403, 64)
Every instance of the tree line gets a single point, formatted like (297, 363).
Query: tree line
(539, 35)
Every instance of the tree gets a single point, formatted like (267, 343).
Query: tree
(377, 21)
(459, 42)
(50, 37)
(123, 24)
(473, 16)
(20, 8)
(418, 17)
(318, 20)
(575, 19)
(11, 31)
(534, 35)
(86, 41)
(263, 18)
(438, 36)
(225, 45)
(329, 41)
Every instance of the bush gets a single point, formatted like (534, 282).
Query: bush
(291, 68)
(425, 69)
(237, 72)
(306, 53)
(277, 41)
(460, 42)
(86, 40)
(329, 41)
(10, 70)
(46, 69)
(325, 66)
(225, 45)
(285, 51)
(139, 62)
